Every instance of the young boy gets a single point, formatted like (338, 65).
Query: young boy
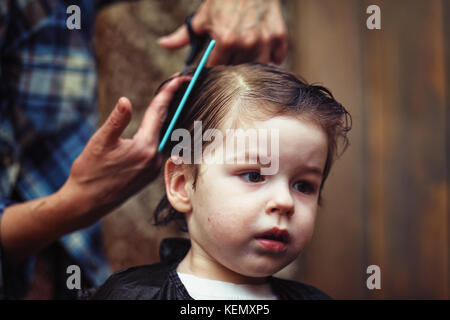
(249, 211)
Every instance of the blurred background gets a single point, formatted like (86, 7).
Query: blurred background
(386, 200)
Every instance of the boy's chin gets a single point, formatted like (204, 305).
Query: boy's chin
(264, 270)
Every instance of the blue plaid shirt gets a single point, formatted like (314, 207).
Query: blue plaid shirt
(47, 112)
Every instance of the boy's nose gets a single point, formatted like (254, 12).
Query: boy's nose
(281, 201)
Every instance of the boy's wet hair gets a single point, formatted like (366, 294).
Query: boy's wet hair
(252, 91)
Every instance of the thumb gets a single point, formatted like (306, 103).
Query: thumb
(176, 40)
(118, 120)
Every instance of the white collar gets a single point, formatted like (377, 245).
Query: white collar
(207, 289)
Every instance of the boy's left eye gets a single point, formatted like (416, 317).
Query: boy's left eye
(305, 187)
(252, 176)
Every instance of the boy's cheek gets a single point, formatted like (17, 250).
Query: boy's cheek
(304, 231)
(230, 225)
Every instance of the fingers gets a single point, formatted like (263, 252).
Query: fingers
(156, 113)
(175, 40)
(249, 50)
(118, 120)
(264, 46)
(279, 48)
(199, 22)
(264, 55)
(220, 55)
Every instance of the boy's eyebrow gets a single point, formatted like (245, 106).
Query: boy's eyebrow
(246, 154)
(309, 168)
(313, 170)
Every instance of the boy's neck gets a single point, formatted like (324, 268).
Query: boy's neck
(201, 265)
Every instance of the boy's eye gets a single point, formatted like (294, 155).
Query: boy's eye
(252, 176)
(305, 187)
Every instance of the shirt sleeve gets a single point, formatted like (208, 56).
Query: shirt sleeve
(4, 17)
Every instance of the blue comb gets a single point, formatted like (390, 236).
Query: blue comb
(186, 94)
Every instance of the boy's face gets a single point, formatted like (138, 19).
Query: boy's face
(244, 225)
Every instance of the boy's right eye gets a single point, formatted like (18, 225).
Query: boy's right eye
(252, 176)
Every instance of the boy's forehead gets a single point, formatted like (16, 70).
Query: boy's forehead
(244, 112)
(292, 140)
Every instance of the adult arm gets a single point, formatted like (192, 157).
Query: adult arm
(108, 171)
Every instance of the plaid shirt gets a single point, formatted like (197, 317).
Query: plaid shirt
(47, 111)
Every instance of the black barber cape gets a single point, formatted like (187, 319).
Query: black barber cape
(161, 282)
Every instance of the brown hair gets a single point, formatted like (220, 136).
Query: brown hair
(230, 92)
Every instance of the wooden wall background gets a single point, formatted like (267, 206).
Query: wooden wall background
(386, 201)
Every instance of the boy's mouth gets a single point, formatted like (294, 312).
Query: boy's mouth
(274, 239)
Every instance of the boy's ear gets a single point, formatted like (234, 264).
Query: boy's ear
(178, 185)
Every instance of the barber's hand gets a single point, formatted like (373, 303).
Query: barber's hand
(111, 169)
(244, 30)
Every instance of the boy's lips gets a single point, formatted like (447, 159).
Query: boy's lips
(274, 239)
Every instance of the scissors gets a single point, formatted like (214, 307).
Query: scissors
(198, 42)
